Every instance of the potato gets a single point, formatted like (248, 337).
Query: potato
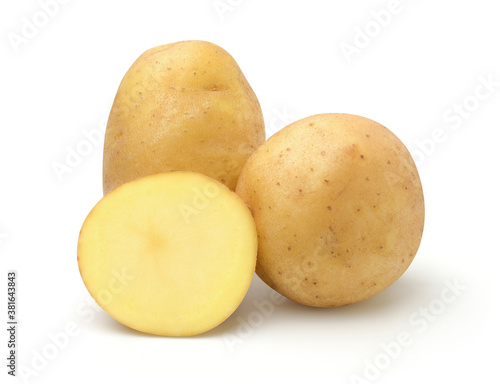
(169, 254)
(182, 106)
(339, 209)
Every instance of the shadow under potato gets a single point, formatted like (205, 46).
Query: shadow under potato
(274, 309)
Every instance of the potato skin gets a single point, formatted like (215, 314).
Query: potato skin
(339, 209)
(182, 106)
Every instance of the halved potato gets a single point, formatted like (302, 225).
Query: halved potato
(169, 254)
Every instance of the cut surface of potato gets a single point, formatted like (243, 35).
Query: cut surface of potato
(338, 206)
(169, 254)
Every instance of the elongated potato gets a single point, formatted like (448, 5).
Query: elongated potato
(182, 106)
(169, 254)
(339, 209)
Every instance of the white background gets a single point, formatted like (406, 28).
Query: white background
(411, 75)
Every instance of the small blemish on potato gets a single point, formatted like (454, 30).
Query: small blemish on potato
(278, 183)
(362, 283)
(289, 248)
(388, 162)
(367, 178)
(402, 261)
(381, 247)
(326, 181)
(300, 190)
(362, 156)
(330, 228)
(347, 251)
(288, 149)
(317, 296)
(367, 135)
(269, 207)
(311, 124)
(374, 284)
(358, 209)
(314, 282)
(348, 265)
(312, 169)
(305, 278)
(168, 68)
(329, 208)
(322, 153)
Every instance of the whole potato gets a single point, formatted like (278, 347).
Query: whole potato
(339, 209)
(182, 106)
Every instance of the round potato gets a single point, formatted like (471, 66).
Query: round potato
(338, 206)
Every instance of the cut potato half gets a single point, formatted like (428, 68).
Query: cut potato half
(169, 254)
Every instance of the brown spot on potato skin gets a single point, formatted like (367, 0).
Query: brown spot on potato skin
(329, 208)
(362, 156)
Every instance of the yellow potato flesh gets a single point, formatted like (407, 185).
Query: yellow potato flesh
(182, 106)
(169, 254)
(338, 206)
